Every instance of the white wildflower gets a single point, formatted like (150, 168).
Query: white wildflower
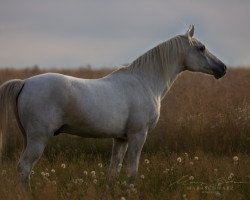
(230, 177)
(100, 165)
(95, 181)
(124, 183)
(85, 172)
(120, 165)
(80, 181)
(235, 158)
(196, 158)
(191, 178)
(142, 176)
(53, 171)
(63, 165)
(43, 173)
(102, 173)
(74, 181)
(123, 198)
(179, 159)
(146, 161)
(92, 173)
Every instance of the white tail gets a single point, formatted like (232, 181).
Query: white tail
(9, 92)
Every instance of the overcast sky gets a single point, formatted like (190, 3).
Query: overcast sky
(72, 33)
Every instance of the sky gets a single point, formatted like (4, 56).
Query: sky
(110, 33)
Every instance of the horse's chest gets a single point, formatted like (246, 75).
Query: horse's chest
(144, 116)
(154, 117)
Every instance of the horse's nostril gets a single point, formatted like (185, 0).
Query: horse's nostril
(225, 67)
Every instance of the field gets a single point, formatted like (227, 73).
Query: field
(200, 148)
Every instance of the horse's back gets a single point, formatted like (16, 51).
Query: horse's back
(45, 89)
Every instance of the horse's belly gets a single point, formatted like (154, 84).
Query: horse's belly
(96, 131)
(104, 124)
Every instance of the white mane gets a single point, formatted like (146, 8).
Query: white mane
(163, 54)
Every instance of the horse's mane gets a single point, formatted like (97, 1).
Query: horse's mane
(163, 54)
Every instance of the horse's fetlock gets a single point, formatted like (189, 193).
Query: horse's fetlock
(22, 169)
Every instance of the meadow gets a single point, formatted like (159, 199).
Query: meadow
(200, 148)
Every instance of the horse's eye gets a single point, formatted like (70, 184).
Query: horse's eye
(201, 48)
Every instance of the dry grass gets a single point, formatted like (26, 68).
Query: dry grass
(200, 116)
(162, 178)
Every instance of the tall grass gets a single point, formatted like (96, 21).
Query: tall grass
(200, 116)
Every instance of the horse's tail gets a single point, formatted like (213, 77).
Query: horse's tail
(9, 93)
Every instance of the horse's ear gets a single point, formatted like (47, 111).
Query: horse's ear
(190, 32)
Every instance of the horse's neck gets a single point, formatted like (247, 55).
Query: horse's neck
(172, 73)
(157, 78)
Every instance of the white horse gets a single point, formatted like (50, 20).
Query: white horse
(124, 105)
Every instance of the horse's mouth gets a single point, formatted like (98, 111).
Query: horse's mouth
(219, 73)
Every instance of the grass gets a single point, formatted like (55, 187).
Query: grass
(178, 176)
(204, 124)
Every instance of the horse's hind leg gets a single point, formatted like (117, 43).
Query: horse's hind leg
(118, 151)
(32, 152)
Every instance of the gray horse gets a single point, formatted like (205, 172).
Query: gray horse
(124, 105)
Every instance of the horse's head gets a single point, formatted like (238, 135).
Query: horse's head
(198, 58)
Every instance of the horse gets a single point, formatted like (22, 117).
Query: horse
(124, 105)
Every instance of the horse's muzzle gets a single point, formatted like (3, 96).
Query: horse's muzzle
(219, 71)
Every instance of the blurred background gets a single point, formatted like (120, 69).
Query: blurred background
(62, 33)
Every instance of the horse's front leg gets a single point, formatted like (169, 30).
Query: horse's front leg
(135, 144)
(118, 151)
